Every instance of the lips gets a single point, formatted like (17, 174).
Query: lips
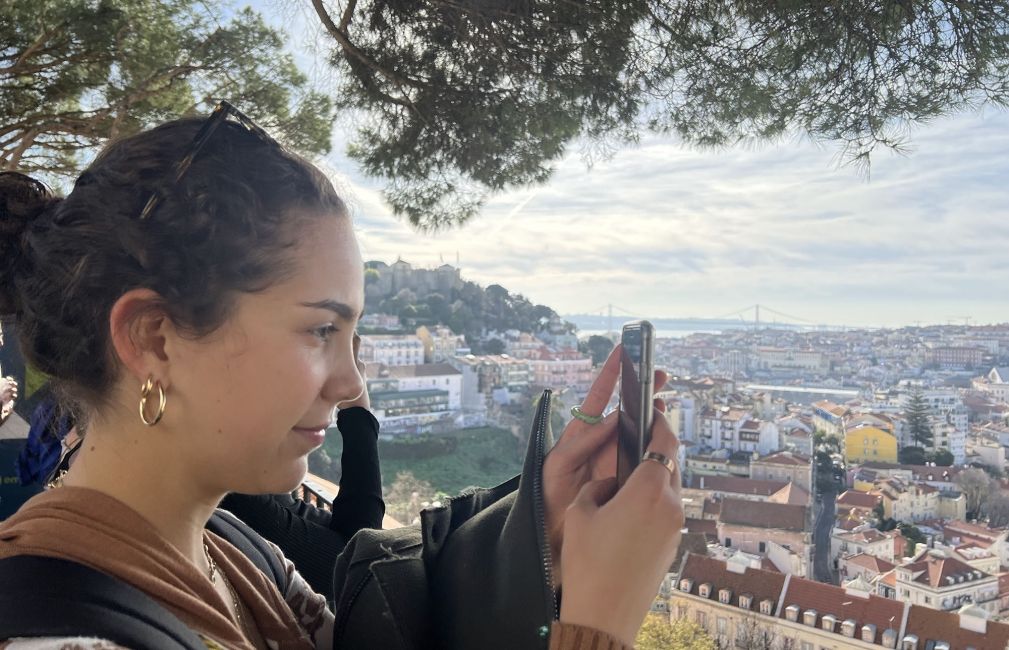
(312, 428)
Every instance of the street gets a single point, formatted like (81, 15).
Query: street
(822, 570)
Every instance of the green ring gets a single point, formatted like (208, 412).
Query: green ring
(578, 414)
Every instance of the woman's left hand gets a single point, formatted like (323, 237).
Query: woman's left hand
(585, 452)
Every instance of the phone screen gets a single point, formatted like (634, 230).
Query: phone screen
(636, 377)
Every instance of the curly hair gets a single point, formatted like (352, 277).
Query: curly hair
(223, 229)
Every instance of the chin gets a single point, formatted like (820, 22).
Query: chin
(283, 479)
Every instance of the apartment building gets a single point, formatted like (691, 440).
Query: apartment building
(787, 360)
(865, 540)
(829, 417)
(392, 349)
(751, 526)
(935, 580)
(995, 383)
(869, 443)
(747, 607)
(912, 501)
(441, 344)
(784, 466)
(565, 368)
(864, 566)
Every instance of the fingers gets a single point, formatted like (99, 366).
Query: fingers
(660, 380)
(665, 443)
(575, 448)
(595, 494)
(604, 384)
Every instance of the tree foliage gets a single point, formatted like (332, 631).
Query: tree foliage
(75, 73)
(976, 486)
(407, 496)
(913, 535)
(911, 456)
(460, 99)
(659, 633)
(916, 416)
(943, 457)
(597, 346)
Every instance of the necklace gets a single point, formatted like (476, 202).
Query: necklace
(212, 574)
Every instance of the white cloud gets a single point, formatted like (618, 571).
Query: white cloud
(662, 230)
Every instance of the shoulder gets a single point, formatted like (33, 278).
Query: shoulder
(309, 607)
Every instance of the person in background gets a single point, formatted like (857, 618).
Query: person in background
(189, 262)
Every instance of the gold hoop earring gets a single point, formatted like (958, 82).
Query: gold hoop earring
(145, 392)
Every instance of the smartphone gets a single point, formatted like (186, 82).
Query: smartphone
(637, 376)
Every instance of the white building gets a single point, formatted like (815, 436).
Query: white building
(392, 350)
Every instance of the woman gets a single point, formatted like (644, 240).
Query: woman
(190, 263)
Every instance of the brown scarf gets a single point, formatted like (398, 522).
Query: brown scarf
(94, 529)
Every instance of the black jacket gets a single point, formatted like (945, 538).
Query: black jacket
(476, 574)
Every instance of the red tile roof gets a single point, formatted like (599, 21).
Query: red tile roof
(934, 570)
(871, 562)
(736, 485)
(790, 458)
(828, 599)
(759, 514)
(759, 583)
(856, 499)
(936, 625)
(706, 527)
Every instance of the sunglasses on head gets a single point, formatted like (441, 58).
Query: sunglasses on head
(218, 116)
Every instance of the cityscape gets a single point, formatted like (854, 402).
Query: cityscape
(842, 488)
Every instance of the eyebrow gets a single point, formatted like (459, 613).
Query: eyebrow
(343, 310)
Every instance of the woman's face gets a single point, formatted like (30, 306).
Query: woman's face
(252, 399)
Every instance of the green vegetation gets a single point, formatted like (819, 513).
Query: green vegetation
(659, 633)
(457, 100)
(598, 346)
(449, 462)
(470, 310)
(918, 424)
(76, 73)
(913, 536)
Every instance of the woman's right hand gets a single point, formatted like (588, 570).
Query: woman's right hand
(619, 544)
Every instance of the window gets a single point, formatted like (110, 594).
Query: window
(728, 542)
(763, 547)
(806, 645)
(701, 619)
(721, 625)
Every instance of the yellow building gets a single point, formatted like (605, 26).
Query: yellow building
(869, 444)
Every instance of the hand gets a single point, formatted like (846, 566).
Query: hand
(619, 545)
(584, 452)
(361, 400)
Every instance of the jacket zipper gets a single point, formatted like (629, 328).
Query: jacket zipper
(338, 636)
(543, 418)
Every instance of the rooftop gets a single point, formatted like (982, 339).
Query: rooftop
(760, 514)
(736, 485)
(937, 625)
(790, 458)
(844, 604)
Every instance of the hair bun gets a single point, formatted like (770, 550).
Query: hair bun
(22, 200)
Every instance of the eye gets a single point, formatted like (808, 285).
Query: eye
(323, 333)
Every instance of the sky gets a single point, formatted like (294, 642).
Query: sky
(663, 230)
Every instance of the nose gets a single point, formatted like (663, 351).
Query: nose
(345, 383)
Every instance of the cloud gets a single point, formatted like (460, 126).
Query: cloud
(663, 230)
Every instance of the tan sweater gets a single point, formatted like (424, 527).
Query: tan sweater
(567, 636)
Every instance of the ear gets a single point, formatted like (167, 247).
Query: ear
(139, 328)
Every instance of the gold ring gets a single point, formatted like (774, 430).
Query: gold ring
(661, 459)
(577, 412)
